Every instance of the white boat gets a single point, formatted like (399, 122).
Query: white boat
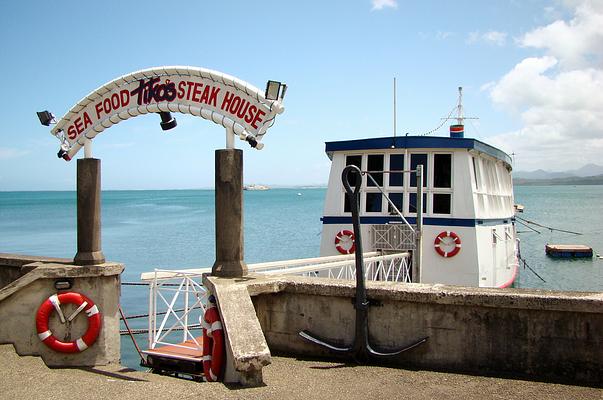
(468, 226)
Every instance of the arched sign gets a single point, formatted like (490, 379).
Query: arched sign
(212, 95)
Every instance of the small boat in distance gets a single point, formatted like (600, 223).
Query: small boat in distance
(255, 187)
(468, 214)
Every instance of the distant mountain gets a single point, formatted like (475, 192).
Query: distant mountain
(585, 171)
(572, 180)
(588, 170)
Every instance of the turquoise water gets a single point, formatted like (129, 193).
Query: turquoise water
(572, 208)
(175, 229)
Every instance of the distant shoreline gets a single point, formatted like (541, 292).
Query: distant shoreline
(574, 180)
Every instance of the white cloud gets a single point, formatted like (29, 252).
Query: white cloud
(490, 37)
(7, 153)
(443, 35)
(558, 96)
(576, 43)
(381, 4)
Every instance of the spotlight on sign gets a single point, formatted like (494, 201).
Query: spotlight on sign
(167, 121)
(46, 118)
(275, 90)
(254, 143)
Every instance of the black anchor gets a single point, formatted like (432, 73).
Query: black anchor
(361, 349)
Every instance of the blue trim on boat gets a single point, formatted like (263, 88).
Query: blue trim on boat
(378, 220)
(416, 142)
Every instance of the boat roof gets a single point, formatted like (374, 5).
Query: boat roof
(416, 142)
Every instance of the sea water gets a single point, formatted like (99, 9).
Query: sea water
(175, 230)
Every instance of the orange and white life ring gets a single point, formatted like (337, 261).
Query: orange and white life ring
(213, 344)
(442, 237)
(345, 236)
(53, 303)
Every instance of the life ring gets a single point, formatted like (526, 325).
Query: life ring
(53, 303)
(339, 238)
(213, 344)
(456, 240)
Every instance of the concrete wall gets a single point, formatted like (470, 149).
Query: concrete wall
(539, 334)
(34, 283)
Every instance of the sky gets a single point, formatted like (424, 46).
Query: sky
(532, 72)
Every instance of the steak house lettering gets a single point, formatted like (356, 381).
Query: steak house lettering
(152, 90)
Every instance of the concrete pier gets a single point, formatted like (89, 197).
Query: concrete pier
(229, 214)
(26, 282)
(286, 378)
(89, 212)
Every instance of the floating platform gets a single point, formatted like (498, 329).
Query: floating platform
(568, 250)
(182, 358)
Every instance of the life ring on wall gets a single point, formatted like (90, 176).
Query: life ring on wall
(82, 303)
(339, 238)
(213, 343)
(456, 240)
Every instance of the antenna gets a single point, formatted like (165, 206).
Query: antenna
(460, 107)
(394, 106)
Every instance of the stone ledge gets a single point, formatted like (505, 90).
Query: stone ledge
(42, 270)
(529, 299)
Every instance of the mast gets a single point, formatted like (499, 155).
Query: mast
(460, 117)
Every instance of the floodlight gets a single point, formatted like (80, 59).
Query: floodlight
(272, 90)
(283, 91)
(254, 143)
(167, 121)
(46, 118)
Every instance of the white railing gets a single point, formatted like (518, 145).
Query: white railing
(177, 298)
(391, 267)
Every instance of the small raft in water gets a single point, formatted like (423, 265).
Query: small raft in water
(568, 250)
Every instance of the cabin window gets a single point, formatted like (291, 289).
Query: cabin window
(396, 163)
(353, 160)
(398, 200)
(375, 163)
(418, 159)
(373, 202)
(412, 203)
(441, 203)
(442, 170)
(475, 173)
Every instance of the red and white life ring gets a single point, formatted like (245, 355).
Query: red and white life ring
(213, 344)
(82, 303)
(456, 241)
(349, 238)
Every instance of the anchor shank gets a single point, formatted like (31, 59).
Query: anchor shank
(361, 344)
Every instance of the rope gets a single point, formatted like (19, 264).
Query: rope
(141, 331)
(525, 264)
(159, 313)
(129, 332)
(547, 227)
(441, 125)
(528, 226)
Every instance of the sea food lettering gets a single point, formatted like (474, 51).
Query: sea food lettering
(78, 126)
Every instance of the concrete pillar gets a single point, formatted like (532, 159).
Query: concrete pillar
(229, 214)
(88, 213)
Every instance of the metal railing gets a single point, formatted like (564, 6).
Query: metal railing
(178, 299)
(175, 299)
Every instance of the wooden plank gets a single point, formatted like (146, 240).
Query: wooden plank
(183, 351)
